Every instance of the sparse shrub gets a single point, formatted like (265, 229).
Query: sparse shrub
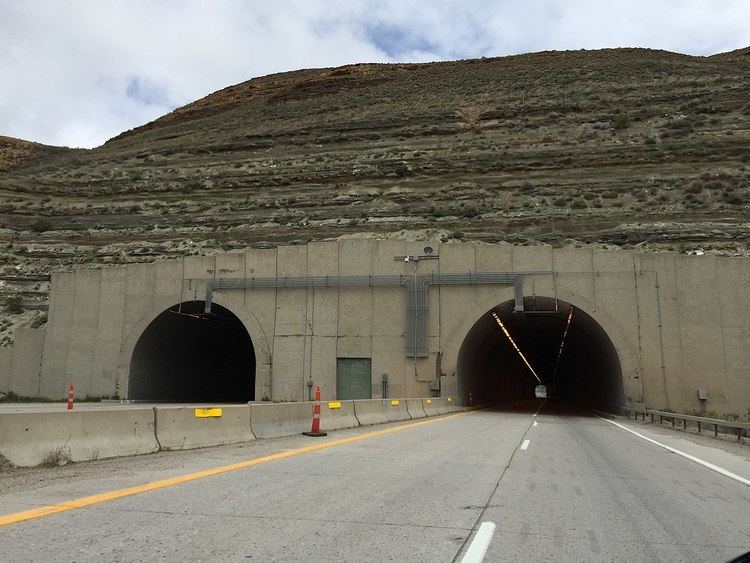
(39, 321)
(560, 201)
(527, 188)
(14, 305)
(578, 203)
(57, 458)
(458, 235)
(733, 199)
(611, 194)
(589, 195)
(40, 225)
(470, 211)
(621, 121)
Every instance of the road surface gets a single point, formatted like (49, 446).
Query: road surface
(570, 487)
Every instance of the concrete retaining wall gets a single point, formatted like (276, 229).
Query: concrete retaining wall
(178, 428)
(414, 406)
(280, 419)
(6, 356)
(29, 438)
(370, 411)
(337, 418)
(395, 410)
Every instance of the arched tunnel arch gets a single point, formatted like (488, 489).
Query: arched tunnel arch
(587, 373)
(187, 355)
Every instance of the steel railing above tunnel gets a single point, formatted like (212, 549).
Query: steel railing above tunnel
(417, 293)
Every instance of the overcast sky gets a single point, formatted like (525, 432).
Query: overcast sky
(78, 72)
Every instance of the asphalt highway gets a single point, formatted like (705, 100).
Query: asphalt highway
(557, 485)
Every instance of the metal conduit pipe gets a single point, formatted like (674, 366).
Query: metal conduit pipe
(417, 290)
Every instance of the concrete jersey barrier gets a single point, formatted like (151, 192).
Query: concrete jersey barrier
(370, 411)
(182, 428)
(430, 406)
(272, 420)
(395, 410)
(337, 415)
(444, 405)
(415, 408)
(28, 439)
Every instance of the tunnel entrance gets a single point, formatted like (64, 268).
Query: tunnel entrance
(187, 355)
(506, 355)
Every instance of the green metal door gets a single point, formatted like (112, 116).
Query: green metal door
(353, 378)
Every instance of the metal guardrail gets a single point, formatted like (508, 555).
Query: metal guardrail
(741, 428)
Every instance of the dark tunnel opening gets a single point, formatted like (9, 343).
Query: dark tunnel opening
(588, 371)
(188, 356)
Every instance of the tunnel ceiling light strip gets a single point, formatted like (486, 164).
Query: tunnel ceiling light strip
(562, 343)
(510, 338)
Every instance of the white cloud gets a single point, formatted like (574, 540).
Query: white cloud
(76, 73)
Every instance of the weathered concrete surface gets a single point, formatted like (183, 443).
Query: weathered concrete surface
(430, 406)
(370, 412)
(337, 418)
(25, 365)
(580, 492)
(414, 406)
(29, 438)
(178, 427)
(678, 323)
(6, 360)
(280, 419)
(395, 410)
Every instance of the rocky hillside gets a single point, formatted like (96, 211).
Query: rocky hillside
(624, 147)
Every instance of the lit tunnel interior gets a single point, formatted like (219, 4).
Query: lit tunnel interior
(186, 355)
(588, 371)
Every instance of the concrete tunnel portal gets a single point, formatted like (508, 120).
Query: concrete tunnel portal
(187, 355)
(581, 367)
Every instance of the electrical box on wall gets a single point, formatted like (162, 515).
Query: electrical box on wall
(702, 395)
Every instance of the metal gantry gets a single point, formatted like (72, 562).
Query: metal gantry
(417, 293)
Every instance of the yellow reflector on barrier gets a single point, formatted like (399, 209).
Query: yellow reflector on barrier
(394, 402)
(429, 401)
(208, 413)
(450, 400)
(334, 404)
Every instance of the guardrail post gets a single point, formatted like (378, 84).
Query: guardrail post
(699, 427)
(684, 423)
(652, 417)
(716, 430)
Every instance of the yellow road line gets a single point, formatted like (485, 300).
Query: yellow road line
(171, 482)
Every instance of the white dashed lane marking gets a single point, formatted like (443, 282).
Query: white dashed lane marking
(480, 543)
(525, 444)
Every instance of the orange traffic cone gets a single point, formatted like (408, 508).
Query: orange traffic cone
(315, 430)
(70, 396)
